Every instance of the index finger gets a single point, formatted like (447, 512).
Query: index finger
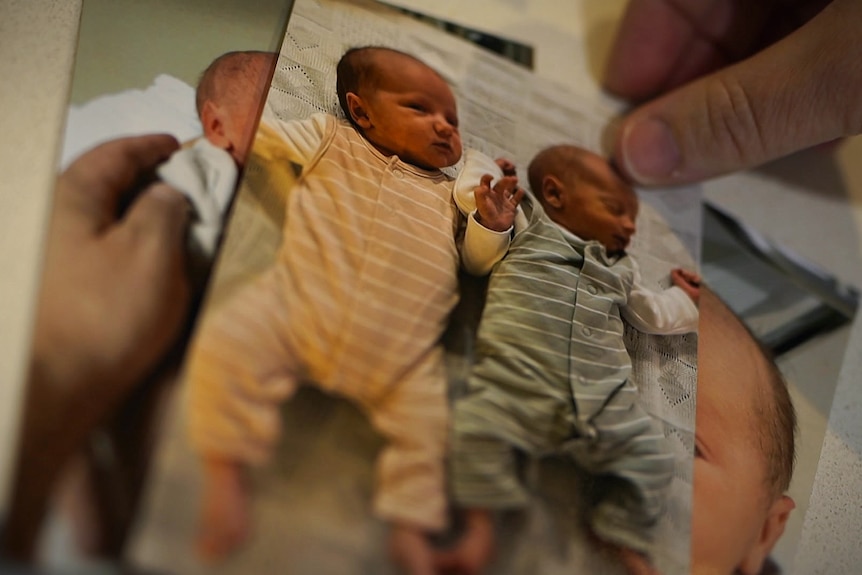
(506, 183)
(507, 166)
(92, 187)
(485, 181)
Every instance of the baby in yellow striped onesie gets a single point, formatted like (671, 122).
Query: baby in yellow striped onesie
(358, 298)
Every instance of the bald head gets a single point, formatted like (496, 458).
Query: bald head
(581, 192)
(568, 162)
(559, 161)
(744, 437)
(771, 415)
(234, 77)
(229, 97)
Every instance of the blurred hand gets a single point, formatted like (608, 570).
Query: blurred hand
(114, 297)
(114, 291)
(727, 95)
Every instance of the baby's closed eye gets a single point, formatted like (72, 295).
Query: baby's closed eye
(615, 208)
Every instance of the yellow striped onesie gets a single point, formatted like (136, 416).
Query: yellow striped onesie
(356, 303)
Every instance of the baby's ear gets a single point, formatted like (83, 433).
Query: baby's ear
(213, 125)
(773, 528)
(356, 108)
(552, 191)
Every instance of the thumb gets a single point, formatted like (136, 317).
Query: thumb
(155, 228)
(799, 92)
(153, 232)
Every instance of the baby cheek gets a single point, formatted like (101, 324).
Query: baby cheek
(456, 145)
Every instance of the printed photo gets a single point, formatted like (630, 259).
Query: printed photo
(457, 354)
(432, 331)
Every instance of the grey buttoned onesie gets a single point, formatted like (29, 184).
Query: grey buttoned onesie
(552, 377)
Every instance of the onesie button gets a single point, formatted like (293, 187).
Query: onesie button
(587, 331)
(398, 173)
(592, 289)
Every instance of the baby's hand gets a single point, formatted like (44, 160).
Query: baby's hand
(507, 166)
(688, 281)
(496, 207)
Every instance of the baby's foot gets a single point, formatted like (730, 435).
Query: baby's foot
(636, 563)
(472, 554)
(224, 518)
(411, 550)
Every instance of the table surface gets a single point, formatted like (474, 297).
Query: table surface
(811, 203)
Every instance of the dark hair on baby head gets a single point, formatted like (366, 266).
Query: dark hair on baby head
(358, 69)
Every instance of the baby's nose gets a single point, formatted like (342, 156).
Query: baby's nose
(443, 128)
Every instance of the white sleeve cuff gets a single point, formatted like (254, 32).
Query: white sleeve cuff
(476, 165)
(483, 247)
(669, 312)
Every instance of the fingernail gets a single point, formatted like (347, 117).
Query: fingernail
(649, 151)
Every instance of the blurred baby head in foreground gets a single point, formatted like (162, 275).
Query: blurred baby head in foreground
(744, 450)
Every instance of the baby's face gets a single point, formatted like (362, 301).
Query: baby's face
(603, 208)
(730, 500)
(412, 114)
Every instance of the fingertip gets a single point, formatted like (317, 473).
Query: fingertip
(167, 143)
(646, 151)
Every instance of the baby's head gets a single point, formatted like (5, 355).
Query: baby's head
(580, 191)
(229, 96)
(400, 105)
(744, 447)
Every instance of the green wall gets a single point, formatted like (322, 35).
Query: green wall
(124, 44)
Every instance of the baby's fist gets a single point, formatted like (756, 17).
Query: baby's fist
(687, 281)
